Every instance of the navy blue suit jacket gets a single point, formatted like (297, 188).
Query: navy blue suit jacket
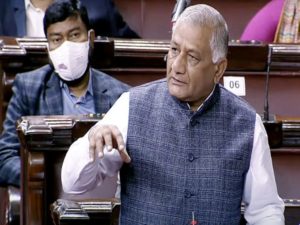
(38, 92)
(104, 17)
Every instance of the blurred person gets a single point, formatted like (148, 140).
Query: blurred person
(263, 25)
(19, 18)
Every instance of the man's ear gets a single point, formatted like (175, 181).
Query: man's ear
(220, 69)
(91, 37)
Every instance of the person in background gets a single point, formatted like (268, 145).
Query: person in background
(262, 27)
(188, 150)
(21, 18)
(66, 86)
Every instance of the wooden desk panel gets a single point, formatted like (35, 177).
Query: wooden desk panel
(283, 91)
(138, 61)
(286, 168)
(44, 143)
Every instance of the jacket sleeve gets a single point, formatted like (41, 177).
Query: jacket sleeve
(9, 143)
(8, 23)
(106, 20)
(122, 29)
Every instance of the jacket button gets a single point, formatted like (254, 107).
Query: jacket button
(193, 122)
(191, 157)
(187, 194)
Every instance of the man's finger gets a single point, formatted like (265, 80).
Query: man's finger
(95, 143)
(124, 154)
(107, 138)
(92, 149)
(120, 145)
(99, 146)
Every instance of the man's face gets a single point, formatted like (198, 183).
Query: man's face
(191, 74)
(71, 29)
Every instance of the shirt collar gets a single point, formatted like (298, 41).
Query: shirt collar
(204, 100)
(89, 88)
(28, 4)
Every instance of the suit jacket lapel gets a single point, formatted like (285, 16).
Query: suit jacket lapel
(101, 100)
(53, 95)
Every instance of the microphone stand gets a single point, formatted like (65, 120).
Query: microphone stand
(179, 8)
(273, 128)
(266, 115)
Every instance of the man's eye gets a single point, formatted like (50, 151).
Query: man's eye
(75, 35)
(55, 40)
(193, 60)
(174, 52)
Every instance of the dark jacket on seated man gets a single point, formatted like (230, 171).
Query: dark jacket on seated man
(39, 93)
(72, 88)
(105, 19)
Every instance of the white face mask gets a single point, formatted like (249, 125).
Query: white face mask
(70, 60)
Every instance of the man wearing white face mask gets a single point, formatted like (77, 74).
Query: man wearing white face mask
(67, 86)
(70, 59)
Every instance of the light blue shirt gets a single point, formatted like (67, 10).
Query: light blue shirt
(73, 105)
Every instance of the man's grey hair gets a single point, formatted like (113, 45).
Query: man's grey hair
(204, 15)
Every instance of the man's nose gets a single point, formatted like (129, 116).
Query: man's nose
(179, 64)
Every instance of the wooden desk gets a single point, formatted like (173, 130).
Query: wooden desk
(44, 142)
(286, 168)
(104, 212)
(138, 61)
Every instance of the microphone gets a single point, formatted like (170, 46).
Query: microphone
(166, 58)
(178, 9)
(272, 126)
(266, 115)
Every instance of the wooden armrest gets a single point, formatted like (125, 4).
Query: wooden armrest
(9, 206)
(88, 212)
